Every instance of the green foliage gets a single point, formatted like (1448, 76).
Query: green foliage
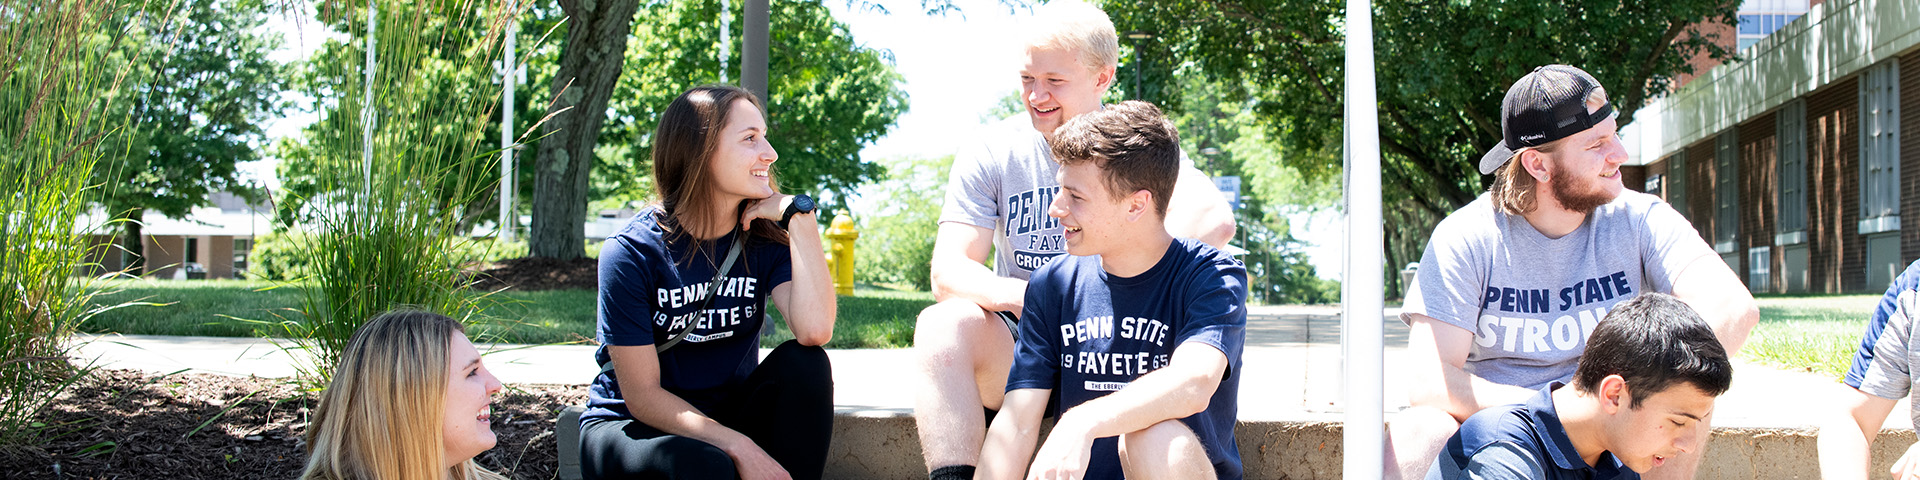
(206, 87)
(383, 228)
(448, 73)
(896, 242)
(1441, 69)
(1211, 116)
(60, 66)
(829, 95)
(277, 256)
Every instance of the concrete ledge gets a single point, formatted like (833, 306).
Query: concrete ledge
(882, 444)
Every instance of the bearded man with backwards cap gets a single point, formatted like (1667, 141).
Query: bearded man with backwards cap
(1511, 285)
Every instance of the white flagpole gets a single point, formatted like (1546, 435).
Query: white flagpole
(1364, 287)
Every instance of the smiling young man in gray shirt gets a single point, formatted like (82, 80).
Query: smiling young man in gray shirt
(1511, 284)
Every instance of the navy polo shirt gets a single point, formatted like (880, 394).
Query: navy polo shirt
(1520, 441)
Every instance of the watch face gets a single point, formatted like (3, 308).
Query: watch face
(803, 203)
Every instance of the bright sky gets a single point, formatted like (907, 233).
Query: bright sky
(956, 66)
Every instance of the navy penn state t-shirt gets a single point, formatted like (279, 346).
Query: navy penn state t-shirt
(1085, 334)
(649, 291)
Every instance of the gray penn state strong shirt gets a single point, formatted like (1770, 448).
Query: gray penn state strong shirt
(1005, 182)
(1531, 301)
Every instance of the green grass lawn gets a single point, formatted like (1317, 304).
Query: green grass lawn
(871, 318)
(1811, 333)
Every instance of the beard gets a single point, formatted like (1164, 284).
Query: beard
(1583, 197)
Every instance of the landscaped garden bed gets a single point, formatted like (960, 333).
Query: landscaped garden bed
(131, 424)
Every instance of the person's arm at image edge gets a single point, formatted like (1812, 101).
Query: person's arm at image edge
(1010, 441)
(638, 368)
(1181, 389)
(959, 253)
(1197, 210)
(1707, 285)
(1848, 430)
(1437, 352)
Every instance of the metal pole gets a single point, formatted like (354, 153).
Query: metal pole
(1136, 69)
(507, 71)
(366, 107)
(726, 39)
(1364, 287)
(753, 51)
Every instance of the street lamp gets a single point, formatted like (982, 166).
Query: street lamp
(1137, 36)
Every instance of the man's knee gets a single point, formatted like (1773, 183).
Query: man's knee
(952, 327)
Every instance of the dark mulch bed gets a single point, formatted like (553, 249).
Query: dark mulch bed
(131, 424)
(540, 273)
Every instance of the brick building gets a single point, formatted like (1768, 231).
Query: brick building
(1790, 162)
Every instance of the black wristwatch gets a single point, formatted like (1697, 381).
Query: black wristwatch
(800, 204)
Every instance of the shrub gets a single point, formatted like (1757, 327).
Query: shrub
(896, 243)
(64, 62)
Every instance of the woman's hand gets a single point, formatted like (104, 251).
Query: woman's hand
(770, 208)
(754, 464)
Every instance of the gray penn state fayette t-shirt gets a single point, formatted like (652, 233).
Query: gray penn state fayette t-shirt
(1005, 182)
(1531, 301)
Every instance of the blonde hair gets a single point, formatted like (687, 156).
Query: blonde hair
(1078, 27)
(1513, 188)
(1514, 191)
(380, 418)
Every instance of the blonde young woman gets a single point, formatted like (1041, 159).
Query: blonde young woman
(682, 392)
(409, 401)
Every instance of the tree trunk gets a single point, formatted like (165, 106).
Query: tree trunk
(590, 62)
(130, 240)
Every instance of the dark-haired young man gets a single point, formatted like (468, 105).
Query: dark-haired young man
(1646, 382)
(1511, 284)
(1135, 336)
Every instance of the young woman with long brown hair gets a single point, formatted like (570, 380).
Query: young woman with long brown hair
(682, 392)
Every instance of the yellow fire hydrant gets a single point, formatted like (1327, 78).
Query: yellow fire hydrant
(840, 255)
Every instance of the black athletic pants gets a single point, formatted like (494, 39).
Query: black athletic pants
(785, 406)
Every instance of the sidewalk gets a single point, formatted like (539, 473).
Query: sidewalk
(1290, 395)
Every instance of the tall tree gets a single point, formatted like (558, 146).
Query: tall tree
(206, 87)
(590, 63)
(829, 97)
(1442, 68)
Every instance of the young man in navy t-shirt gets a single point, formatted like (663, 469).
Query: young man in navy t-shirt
(1644, 386)
(1136, 336)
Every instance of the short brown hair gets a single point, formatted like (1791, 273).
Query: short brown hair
(1132, 142)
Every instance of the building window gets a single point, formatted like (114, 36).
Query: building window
(1880, 148)
(242, 249)
(1677, 183)
(1760, 269)
(1790, 134)
(1726, 192)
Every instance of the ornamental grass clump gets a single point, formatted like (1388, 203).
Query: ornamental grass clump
(61, 63)
(384, 227)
